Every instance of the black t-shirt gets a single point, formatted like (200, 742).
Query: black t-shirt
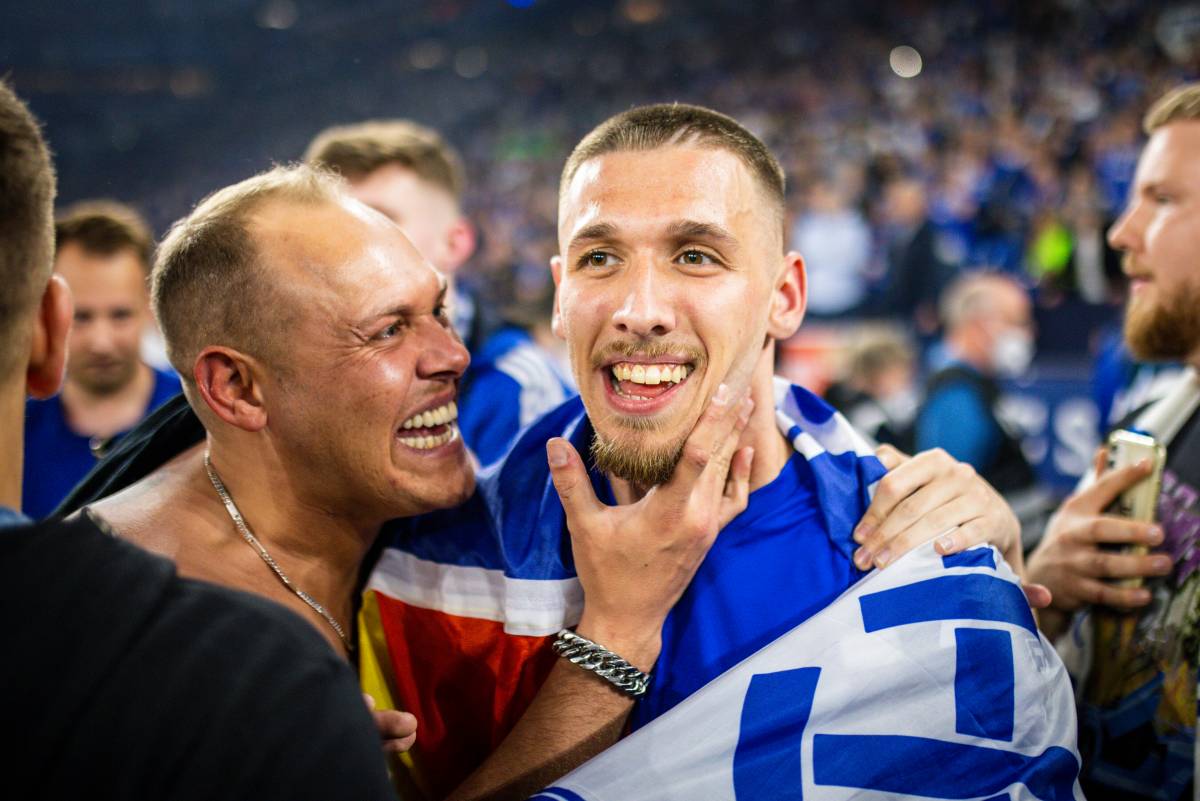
(1138, 708)
(121, 680)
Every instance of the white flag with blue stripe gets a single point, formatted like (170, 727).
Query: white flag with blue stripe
(925, 680)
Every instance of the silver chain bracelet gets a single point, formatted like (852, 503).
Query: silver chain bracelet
(604, 663)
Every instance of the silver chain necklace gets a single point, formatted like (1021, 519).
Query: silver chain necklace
(252, 540)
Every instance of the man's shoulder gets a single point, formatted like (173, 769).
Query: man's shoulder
(54, 564)
(512, 352)
(44, 414)
(167, 384)
(130, 673)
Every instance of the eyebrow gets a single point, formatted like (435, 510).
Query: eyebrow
(691, 229)
(593, 232)
(679, 231)
(405, 309)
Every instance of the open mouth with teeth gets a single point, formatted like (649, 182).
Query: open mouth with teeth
(431, 428)
(640, 382)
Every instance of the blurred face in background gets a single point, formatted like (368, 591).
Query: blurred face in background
(1159, 233)
(670, 260)
(111, 309)
(1008, 325)
(427, 213)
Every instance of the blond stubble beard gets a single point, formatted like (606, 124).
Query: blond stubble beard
(628, 459)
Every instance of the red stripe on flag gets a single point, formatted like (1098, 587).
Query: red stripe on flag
(466, 680)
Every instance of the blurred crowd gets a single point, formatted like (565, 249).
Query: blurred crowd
(1010, 143)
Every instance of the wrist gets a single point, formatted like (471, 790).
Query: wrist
(637, 646)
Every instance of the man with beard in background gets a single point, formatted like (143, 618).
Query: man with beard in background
(1134, 648)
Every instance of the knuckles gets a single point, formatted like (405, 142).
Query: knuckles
(697, 455)
(964, 472)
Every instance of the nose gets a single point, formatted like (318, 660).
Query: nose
(1125, 233)
(443, 355)
(100, 336)
(646, 309)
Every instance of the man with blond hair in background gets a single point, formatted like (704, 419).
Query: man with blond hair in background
(1133, 646)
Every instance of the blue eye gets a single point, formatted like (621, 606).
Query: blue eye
(389, 332)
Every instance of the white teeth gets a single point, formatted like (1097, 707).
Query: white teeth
(429, 442)
(447, 413)
(649, 374)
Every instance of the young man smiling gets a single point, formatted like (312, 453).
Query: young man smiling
(672, 277)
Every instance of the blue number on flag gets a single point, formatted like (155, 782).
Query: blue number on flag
(767, 761)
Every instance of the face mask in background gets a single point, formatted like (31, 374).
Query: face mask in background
(900, 407)
(1012, 352)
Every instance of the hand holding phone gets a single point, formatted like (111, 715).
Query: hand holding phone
(1139, 501)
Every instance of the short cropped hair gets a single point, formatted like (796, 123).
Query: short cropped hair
(209, 285)
(105, 227)
(971, 296)
(357, 150)
(27, 188)
(667, 124)
(1182, 103)
(877, 349)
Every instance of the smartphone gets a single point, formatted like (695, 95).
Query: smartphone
(1139, 502)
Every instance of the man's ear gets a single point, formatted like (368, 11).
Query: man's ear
(789, 298)
(460, 243)
(227, 380)
(48, 350)
(556, 317)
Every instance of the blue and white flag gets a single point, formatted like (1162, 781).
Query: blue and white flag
(925, 680)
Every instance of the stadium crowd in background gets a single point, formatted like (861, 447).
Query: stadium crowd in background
(953, 224)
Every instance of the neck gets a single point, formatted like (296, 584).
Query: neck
(771, 450)
(318, 548)
(104, 414)
(12, 442)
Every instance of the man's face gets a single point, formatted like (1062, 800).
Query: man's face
(1159, 233)
(425, 212)
(104, 347)
(365, 398)
(669, 259)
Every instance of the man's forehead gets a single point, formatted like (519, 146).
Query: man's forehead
(1172, 148)
(661, 187)
(119, 272)
(344, 248)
